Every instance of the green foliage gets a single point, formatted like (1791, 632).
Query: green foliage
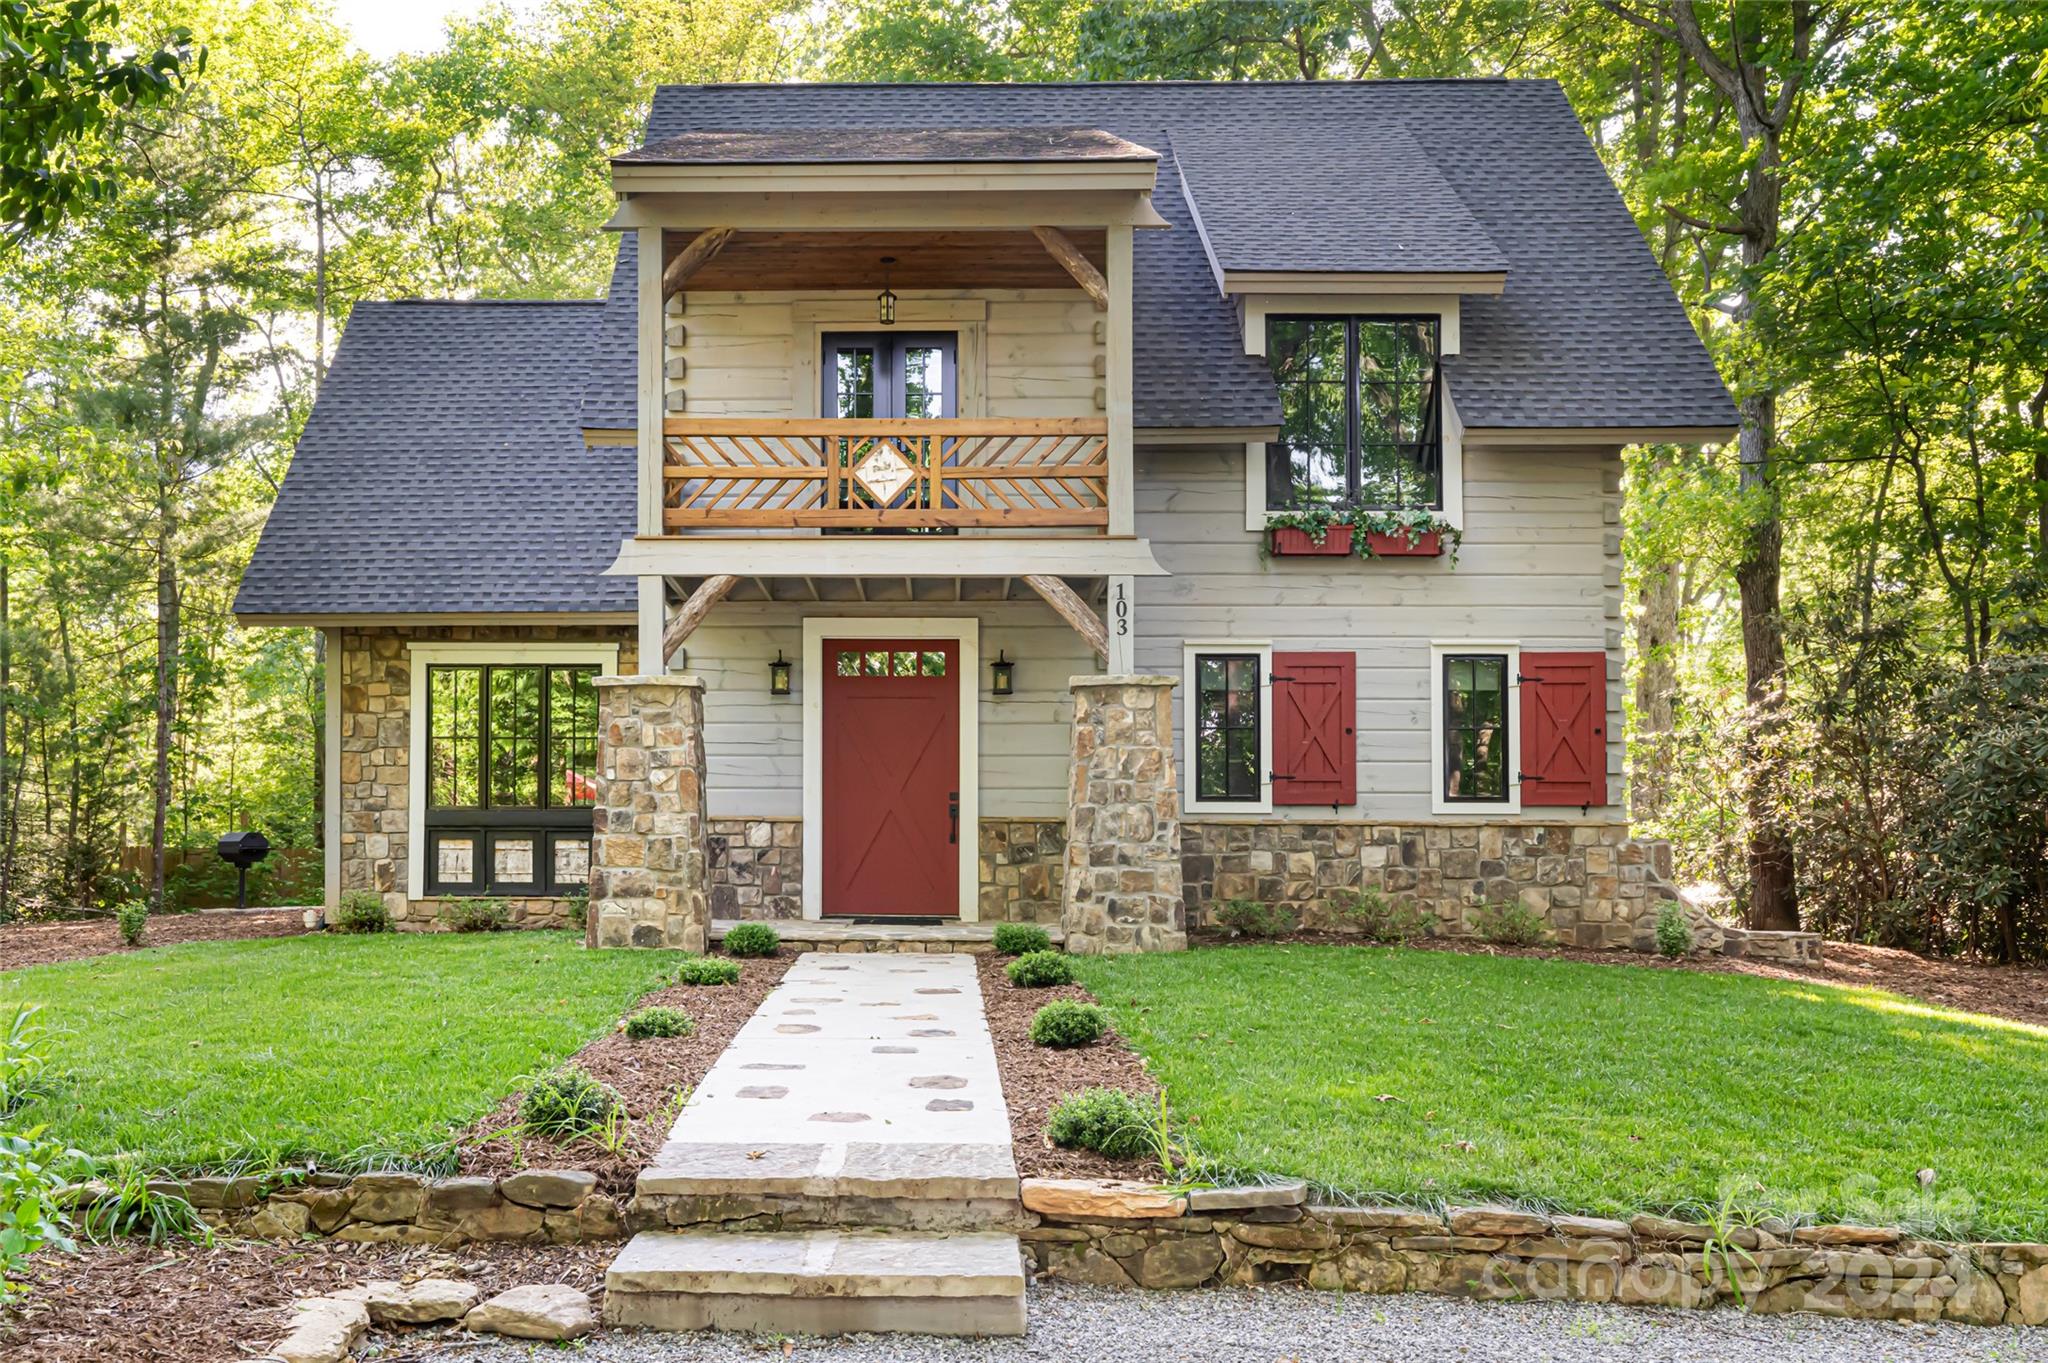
(658, 1022)
(751, 939)
(708, 970)
(1014, 939)
(118, 1203)
(1040, 970)
(1066, 1023)
(1509, 922)
(131, 919)
(1408, 525)
(568, 1104)
(24, 1061)
(1107, 1121)
(34, 1174)
(479, 913)
(1379, 918)
(362, 911)
(1674, 933)
(64, 82)
(578, 910)
(1253, 918)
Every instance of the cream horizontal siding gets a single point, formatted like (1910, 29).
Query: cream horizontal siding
(754, 741)
(1539, 565)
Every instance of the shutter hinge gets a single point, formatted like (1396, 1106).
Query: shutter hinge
(1276, 776)
(1522, 680)
(1276, 677)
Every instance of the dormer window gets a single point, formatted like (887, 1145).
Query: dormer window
(1361, 413)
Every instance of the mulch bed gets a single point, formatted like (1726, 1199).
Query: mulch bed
(1037, 1077)
(2016, 992)
(648, 1074)
(188, 1304)
(44, 943)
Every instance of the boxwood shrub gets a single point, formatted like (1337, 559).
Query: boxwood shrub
(1107, 1121)
(708, 970)
(752, 939)
(1014, 939)
(1038, 969)
(658, 1022)
(362, 911)
(1065, 1023)
(568, 1102)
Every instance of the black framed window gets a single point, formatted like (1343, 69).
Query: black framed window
(511, 776)
(1475, 727)
(912, 374)
(1361, 412)
(1226, 726)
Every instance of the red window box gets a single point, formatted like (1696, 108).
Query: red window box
(1396, 544)
(1290, 542)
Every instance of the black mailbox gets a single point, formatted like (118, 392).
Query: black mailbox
(241, 851)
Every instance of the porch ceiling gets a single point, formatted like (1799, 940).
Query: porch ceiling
(886, 590)
(997, 259)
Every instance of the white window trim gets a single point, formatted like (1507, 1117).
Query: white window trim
(966, 318)
(1190, 650)
(963, 630)
(419, 657)
(1256, 309)
(1439, 649)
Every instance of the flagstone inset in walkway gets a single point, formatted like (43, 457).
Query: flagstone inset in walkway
(859, 1047)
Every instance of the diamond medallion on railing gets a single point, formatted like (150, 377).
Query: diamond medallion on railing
(884, 473)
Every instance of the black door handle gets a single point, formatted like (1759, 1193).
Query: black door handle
(953, 813)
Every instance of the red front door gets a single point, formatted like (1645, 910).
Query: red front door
(892, 777)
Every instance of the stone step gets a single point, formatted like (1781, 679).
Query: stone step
(822, 1282)
(910, 1185)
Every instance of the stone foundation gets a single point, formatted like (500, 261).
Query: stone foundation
(1129, 1236)
(424, 915)
(1023, 870)
(1122, 887)
(756, 868)
(648, 874)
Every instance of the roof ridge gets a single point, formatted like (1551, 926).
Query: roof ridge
(484, 302)
(1096, 84)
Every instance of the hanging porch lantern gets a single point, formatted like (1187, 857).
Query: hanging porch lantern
(1004, 681)
(778, 675)
(885, 301)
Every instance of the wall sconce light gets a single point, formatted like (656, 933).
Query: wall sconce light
(885, 301)
(1004, 682)
(778, 675)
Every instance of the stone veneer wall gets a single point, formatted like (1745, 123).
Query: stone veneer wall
(1122, 887)
(376, 756)
(756, 868)
(1133, 1237)
(649, 882)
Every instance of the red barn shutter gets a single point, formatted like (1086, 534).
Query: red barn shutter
(1564, 728)
(1315, 743)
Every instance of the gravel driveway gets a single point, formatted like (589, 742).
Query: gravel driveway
(1286, 1325)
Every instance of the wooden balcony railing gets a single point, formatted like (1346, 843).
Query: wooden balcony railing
(761, 472)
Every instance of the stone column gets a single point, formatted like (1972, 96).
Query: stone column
(648, 886)
(1123, 890)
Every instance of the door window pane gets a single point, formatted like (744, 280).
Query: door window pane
(455, 737)
(514, 744)
(572, 736)
(924, 381)
(1226, 724)
(853, 381)
(1476, 727)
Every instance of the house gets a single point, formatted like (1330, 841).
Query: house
(965, 474)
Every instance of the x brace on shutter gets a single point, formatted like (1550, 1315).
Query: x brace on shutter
(1270, 678)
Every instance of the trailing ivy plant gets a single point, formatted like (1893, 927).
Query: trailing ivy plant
(1410, 524)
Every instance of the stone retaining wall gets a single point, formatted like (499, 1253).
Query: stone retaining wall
(1129, 1236)
(553, 1206)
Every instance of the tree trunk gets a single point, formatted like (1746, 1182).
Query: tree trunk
(1656, 688)
(166, 690)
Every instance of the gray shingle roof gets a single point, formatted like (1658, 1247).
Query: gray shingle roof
(1274, 204)
(443, 470)
(825, 146)
(1587, 333)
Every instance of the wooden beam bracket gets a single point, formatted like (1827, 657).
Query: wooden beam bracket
(709, 593)
(1072, 609)
(1061, 247)
(691, 258)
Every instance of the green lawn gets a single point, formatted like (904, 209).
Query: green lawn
(215, 1052)
(1420, 1075)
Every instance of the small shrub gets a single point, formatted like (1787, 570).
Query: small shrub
(33, 1176)
(576, 908)
(1510, 923)
(1674, 933)
(1250, 918)
(569, 1103)
(131, 918)
(362, 911)
(1065, 1023)
(659, 1022)
(1040, 969)
(1377, 917)
(752, 939)
(486, 913)
(1014, 939)
(708, 970)
(24, 1062)
(1107, 1121)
